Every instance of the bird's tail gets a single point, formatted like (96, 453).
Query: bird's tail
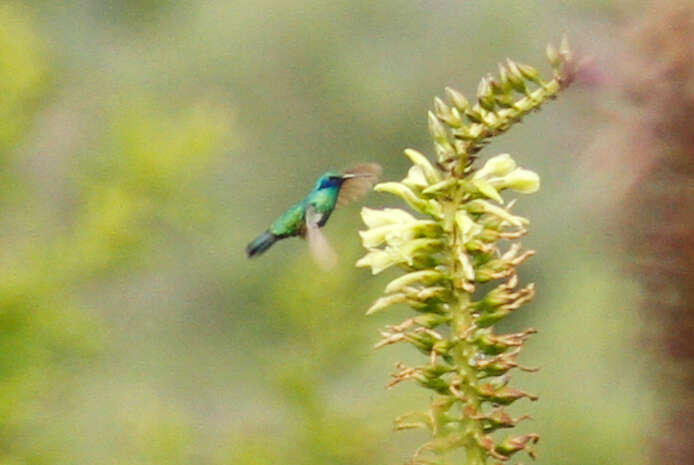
(260, 244)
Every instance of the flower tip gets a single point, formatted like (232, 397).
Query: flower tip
(523, 181)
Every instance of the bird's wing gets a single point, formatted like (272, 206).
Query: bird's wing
(321, 251)
(353, 188)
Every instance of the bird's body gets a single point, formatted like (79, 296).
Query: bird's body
(305, 217)
(323, 199)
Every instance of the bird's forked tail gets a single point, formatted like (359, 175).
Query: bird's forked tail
(260, 244)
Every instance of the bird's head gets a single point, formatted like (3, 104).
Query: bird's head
(333, 179)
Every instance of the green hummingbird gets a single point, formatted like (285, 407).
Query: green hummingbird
(306, 217)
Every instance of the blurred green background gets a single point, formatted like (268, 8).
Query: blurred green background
(144, 143)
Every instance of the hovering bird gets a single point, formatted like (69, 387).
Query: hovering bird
(307, 217)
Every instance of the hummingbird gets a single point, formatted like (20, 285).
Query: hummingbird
(306, 217)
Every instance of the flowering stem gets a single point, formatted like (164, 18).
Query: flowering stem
(447, 254)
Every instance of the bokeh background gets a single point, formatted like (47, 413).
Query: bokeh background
(144, 143)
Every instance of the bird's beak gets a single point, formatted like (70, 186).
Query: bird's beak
(357, 175)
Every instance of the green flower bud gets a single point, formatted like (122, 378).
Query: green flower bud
(493, 344)
(378, 260)
(436, 129)
(487, 189)
(485, 320)
(429, 207)
(426, 277)
(467, 228)
(502, 396)
(403, 253)
(408, 250)
(497, 166)
(552, 55)
(457, 99)
(501, 172)
(427, 293)
(430, 173)
(485, 94)
(423, 341)
(495, 366)
(476, 114)
(456, 119)
(415, 179)
(440, 186)
(529, 72)
(504, 81)
(385, 302)
(520, 180)
(441, 110)
(431, 320)
(513, 444)
(499, 418)
(374, 218)
(515, 77)
(482, 206)
(396, 234)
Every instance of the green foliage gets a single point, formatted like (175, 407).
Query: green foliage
(450, 256)
(23, 75)
(142, 176)
(131, 187)
(320, 341)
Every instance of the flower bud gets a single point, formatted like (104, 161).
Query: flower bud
(495, 366)
(436, 129)
(497, 166)
(485, 320)
(504, 81)
(429, 207)
(520, 180)
(415, 178)
(444, 151)
(427, 277)
(457, 99)
(429, 172)
(385, 302)
(487, 189)
(529, 72)
(467, 228)
(493, 344)
(422, 341)
(552, 55)
(502, 396)
(440, 186)
(482, 206)
(378, 260)
(476, 114)
(431, 320)
(513, 444)
(499, 418)
(374, 218)
(515, 77)
(485, 94)
(441, 110)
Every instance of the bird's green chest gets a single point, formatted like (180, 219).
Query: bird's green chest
(323, 201)
(292, 221)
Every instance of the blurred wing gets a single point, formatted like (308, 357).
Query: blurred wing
(321, 251)
(354, 188)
